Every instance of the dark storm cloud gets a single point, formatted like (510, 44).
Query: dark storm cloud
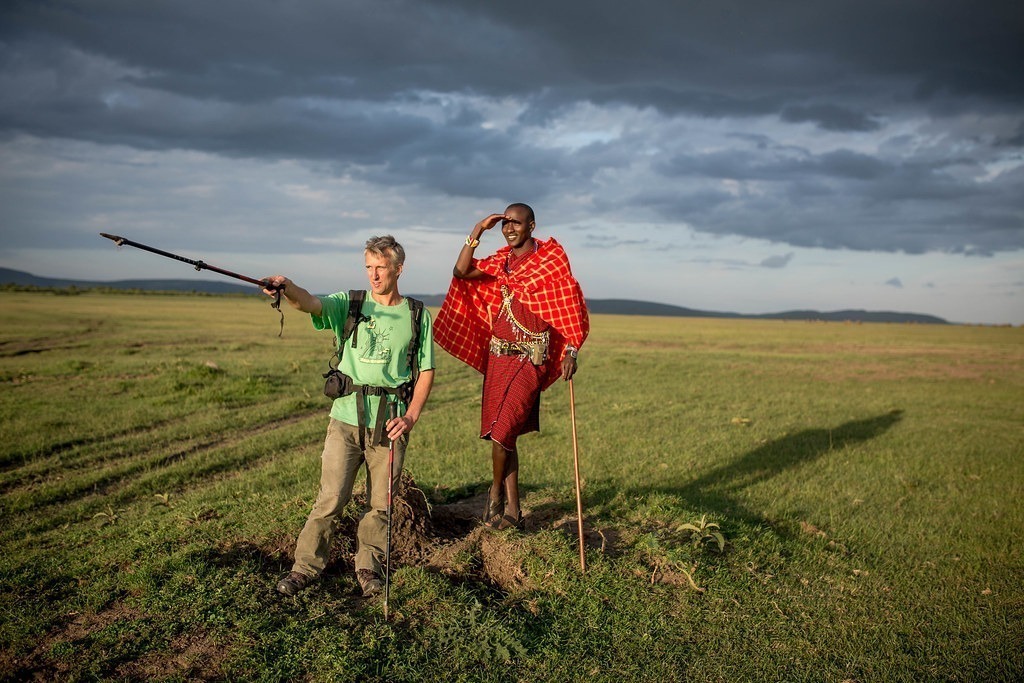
(831, 117)
(777, 261)
(398, 92)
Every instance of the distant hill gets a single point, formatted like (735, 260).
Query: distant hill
(649, 308)
(17, 277)
(599, 306)
(856, 315)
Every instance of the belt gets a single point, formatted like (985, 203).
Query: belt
(536, 351)
(500, 347)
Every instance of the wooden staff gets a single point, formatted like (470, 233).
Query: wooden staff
(576, 468)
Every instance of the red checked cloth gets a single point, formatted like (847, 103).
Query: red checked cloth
(543, 283)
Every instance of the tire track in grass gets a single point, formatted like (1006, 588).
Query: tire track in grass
(78, 454)
(44, 458)
(117, 498)
(13, 349)
(103, 477)
(159, 473)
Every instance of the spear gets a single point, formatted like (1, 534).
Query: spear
(199, 265)
(576, 469)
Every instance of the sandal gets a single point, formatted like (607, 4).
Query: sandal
(494, 511)
(510, 522)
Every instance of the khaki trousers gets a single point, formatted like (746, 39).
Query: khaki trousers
(339, 464)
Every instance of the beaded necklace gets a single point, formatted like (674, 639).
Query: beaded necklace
(513, 259)
(523, 333)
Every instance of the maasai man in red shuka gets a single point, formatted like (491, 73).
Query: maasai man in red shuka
(518, 316)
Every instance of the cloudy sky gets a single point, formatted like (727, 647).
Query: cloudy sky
(736, 155)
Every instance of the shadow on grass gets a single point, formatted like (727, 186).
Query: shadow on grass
(719, 489)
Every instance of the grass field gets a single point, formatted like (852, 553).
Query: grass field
(160, 454)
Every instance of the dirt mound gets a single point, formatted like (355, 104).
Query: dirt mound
(412, 528)
(449, 539)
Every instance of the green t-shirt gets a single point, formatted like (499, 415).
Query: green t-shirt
(379, 357)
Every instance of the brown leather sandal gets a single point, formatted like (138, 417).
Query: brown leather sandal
(494, 511)
(510, 522)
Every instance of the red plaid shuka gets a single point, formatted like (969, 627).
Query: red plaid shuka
(543, 283)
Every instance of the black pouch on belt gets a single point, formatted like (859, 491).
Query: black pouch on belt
(337, 384)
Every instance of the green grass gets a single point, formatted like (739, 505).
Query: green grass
(160, 454)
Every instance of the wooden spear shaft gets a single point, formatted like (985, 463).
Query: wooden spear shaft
(576, 471)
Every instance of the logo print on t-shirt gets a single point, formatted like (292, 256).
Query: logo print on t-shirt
(377, 350)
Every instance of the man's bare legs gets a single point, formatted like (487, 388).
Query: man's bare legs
(505, 473)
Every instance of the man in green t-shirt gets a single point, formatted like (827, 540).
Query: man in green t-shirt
(378, 365)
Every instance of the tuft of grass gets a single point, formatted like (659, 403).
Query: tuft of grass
(703, 532)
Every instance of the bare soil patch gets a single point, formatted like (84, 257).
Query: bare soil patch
(449, 539)
(190, 656)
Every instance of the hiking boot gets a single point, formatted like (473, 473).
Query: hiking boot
(369, 582)
(293, 583)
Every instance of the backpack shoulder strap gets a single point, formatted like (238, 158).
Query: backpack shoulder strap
(355, 316)
(413, 354)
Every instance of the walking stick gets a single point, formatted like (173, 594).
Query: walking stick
(576, 467)
(393, 413)
(199, 265)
